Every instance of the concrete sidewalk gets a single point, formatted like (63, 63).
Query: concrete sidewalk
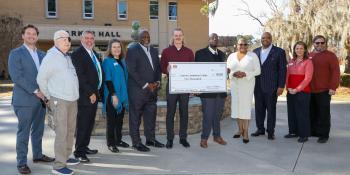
(259, 156)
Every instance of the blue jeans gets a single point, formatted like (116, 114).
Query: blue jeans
(30, 122)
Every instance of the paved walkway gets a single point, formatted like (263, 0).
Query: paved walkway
(259, 156)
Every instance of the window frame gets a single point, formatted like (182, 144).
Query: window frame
(92, 10)
(47, 12)
(153, 17)
(170, 18)
(118, 10)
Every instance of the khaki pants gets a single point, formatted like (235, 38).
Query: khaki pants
(64, 116)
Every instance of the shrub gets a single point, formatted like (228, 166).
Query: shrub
(345, 80)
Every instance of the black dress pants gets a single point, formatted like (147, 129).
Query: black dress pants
(114, 124)
(320, 115)
(298, 113)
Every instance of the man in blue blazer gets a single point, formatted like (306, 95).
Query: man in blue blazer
(268, 85)
(144, 81)
(27, 99)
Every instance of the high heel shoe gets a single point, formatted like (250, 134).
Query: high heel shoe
(245, 141)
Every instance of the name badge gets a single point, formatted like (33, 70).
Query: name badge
(115, 64)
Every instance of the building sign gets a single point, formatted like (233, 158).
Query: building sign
(102, 33)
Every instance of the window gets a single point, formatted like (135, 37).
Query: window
(122, 10)
(88, 9)
(51, 9)
(153, 9)
(172, 11)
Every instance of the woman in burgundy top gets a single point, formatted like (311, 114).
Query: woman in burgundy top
(299, 75)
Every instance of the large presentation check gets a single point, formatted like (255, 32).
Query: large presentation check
(197, 77)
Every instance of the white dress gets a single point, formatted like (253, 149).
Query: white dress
(242, 89)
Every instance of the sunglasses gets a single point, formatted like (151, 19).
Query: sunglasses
(317, 43)
(243, 44)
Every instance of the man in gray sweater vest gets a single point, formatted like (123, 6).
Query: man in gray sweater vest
(58, 81)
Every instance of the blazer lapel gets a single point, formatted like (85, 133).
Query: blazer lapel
(145, 56)
(27, 55)
(270, 54)
(41, 55)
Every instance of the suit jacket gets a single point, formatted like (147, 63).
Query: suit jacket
(87, 75)
(273, 70)
(23, 73)
(204, 55)
(140, 70)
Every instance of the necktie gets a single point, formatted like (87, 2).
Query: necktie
(98, 68)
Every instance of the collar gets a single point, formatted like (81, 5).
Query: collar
(144, 47)
(64, 54)
(29, 49)
(268, 48)
(212, 50)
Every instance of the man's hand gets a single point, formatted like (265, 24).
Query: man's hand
(151, 87)
(92, 98)
(279, 91)
(331, 92)
(115, 100)
(292, 91)
(40, 95)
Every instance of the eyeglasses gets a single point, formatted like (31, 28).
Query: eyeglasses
(69, 39)
(243, 44)
(317, 43)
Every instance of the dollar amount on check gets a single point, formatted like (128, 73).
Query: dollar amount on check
(197, 77)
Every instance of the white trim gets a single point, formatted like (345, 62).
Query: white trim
(47, 10)
(93, 10)
(127, 9)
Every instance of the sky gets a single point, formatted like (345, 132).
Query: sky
(228, 22)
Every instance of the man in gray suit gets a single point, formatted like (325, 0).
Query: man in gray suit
(27, 99)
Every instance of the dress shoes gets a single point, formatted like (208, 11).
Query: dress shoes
(184, 143)
(245, 141)
(204, 143)
(123, 144)
(82, 158)
(141, 147)
(154, 143)
(44, 159)
(236, 136)
(302, 139)
(23, 169)
(322, 140)
(271, 136)
(169, 144)
(290, 136)
(114, 149)
(258, 133)
(91, 151)
(220, 140)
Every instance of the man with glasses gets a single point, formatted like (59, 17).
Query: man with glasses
(58, 82)
(27, 98)
(89, 74)
(268, 85)
(324, 83)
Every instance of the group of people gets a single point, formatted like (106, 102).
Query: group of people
(310, 79)
(69, 85)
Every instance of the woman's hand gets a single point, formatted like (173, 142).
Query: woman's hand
(115, 100)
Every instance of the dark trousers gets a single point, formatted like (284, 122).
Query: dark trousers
(142, 104)
(212, 111)
(172, 100)
(265, 101)
(30, 124)
(298, 106)
(114, 124)
(320, 115)
(85, 123)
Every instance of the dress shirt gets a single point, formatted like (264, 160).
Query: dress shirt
(98, 68)
(214, 52)
(34, 55)
(146, 49)
(264, 53)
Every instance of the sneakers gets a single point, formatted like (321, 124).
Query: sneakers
(63, 171)
(72, 161)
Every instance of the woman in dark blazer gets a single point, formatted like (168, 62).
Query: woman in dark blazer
(115, 93)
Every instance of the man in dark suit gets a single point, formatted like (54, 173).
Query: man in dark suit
(89, 73)
(268, 85)
(143, 84)
(213, 103)
(27, 99)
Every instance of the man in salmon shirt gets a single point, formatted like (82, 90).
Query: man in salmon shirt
(324, 83)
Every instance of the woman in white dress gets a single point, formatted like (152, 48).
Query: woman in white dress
(243, 66)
